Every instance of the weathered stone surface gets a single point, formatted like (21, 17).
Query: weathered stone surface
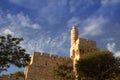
(42, 66)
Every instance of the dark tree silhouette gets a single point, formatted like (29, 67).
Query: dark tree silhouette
(12, 53)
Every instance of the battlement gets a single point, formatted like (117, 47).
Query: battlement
(87, 41)
(42, 62)
(38, 55)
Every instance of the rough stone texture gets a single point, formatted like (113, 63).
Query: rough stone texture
(42, 66)
(79, 46)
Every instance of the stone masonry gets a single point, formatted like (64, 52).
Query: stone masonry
(42, 66)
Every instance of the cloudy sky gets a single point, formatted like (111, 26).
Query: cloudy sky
(45, 24)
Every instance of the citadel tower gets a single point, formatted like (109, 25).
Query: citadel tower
(79, 46)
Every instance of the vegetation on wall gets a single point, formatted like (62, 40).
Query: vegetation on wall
(64, 72)
(18, 74)
(98, 65)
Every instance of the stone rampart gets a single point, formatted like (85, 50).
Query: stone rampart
(42, 66)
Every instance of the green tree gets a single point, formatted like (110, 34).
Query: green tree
(64, 72)
(18, 74)
(98, 65)
(12, 53)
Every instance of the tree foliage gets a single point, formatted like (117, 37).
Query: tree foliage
(12, 53)
(64, 72)
(98, 65)
(14, 76)
(18, 74)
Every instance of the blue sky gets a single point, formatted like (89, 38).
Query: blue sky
(45, 24)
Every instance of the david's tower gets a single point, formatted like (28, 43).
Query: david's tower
(79, 47)
(74, 50)
(74, 35)
(73, 38)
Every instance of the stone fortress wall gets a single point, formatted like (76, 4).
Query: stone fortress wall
(86, 46)
(42, 66)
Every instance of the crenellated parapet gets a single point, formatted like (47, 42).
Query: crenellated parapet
(42, 66)
(44, 56)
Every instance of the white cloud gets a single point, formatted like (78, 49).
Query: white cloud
(92, 30)
(59, 40)
(93, 26)
(106, 2)
(56, 44)
(110, 39)
(111, 47)
(15, 24)
(73, 21)
(36, 26)
(8, 31)
(21, 20)
(46, 43)
(117, 54)
(20, 24)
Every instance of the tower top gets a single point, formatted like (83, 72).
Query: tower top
(74, 35)
(74, 27)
